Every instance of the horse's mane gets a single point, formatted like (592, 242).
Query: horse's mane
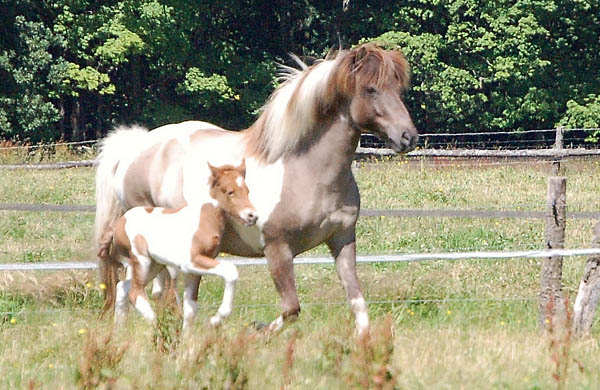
(312, 92)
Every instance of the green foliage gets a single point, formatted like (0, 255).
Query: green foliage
(88, 79)
(484, 69)
(208, 90)
(31, 76)
(586, 115)
(71, 69)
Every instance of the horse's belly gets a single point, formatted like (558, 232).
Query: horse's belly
(241, 240)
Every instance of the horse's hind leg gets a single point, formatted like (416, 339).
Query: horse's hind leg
(343, 249)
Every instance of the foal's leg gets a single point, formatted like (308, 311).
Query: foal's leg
(159, 283)
(143, 271)
(281, 267)
(343, 249)
(122, 294)
(190, 299)
(165, 286)
(204, 265)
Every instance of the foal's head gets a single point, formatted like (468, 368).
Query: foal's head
(228, 188)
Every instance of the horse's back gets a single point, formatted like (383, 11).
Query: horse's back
(152, 173)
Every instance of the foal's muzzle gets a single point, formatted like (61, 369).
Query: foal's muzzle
(249, 217)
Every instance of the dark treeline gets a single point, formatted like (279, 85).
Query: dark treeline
(72, 69)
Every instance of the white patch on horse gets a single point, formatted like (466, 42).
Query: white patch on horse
(239, 181)
(359, 307)
(143, 306)
(276, 325)
(265, 183)
(195, 170)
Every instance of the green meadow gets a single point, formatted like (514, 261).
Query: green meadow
(466, 324)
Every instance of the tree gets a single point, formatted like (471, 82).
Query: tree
(31, 76)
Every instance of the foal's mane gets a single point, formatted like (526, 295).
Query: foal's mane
(313, 92)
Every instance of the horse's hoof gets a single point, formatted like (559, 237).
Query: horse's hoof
(259, 325)
(216, 321)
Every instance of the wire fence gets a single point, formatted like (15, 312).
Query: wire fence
(240, 306)
(578, 134)
(366, 259)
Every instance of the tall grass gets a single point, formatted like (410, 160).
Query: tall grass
(436, 325)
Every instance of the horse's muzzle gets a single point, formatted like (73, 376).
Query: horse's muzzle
(404, 142)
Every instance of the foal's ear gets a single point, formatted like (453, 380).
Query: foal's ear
(242, 168)
(213, 170)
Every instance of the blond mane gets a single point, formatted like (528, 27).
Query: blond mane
(307, 94)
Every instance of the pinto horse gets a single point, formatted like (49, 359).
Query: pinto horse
(186, 240)
(298, 167)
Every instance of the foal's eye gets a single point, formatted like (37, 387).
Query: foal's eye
(230, 193)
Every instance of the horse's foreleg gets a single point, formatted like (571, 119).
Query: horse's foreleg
(281, 267)
(343, 249)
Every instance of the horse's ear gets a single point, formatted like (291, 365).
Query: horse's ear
(361, 52)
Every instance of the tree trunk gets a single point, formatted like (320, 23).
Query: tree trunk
(75, 121)
(589, 291)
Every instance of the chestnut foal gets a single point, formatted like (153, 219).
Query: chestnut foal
(186, 239)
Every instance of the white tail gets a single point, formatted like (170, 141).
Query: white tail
(118, 144)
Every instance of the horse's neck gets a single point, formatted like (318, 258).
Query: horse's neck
(332, 152)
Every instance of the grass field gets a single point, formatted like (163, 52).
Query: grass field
(437, 325)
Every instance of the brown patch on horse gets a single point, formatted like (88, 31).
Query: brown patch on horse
(149, 210)
(147, 171)
(120, 238)
(137, 281)
(138, 176)
(206, 240)
(171, 211)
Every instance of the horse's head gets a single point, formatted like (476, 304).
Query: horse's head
(228, 188)
(373, 80)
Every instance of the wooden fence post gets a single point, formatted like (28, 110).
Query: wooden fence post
(558, 145)
(589, 291)
(552, 303)
(558, 140)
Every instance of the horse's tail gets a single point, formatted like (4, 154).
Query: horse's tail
(114, 148)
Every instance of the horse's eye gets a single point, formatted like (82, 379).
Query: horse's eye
(371, 90)
(230, 193)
